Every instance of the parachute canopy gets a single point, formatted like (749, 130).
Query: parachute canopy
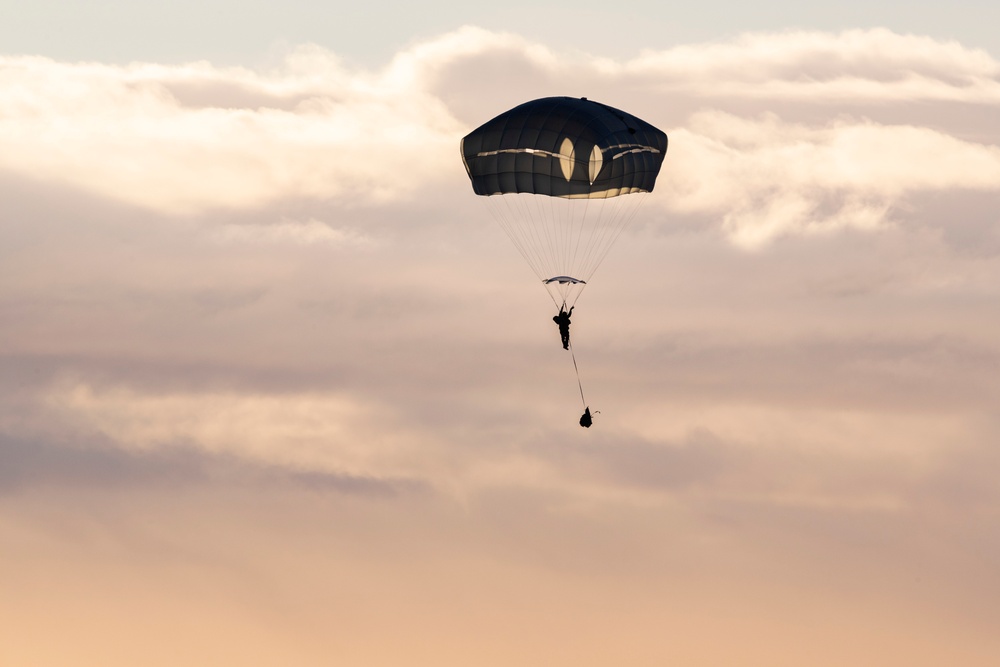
(564, 147)
(561, 166)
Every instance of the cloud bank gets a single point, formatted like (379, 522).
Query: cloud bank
(191, 138)
(260, 343)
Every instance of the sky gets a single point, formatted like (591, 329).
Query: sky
(275, 389)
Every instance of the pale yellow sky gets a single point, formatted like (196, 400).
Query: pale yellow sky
(274, 388)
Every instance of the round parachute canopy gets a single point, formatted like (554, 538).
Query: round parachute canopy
(562, 167)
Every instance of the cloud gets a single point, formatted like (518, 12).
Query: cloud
(875, 64)
(228, 282)
(260, 347)
(32, 464)
(299, 432)
(193, 138)
(767, 178)
(307, 232)
(120, 132)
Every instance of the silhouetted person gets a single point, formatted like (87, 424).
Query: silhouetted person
(586, 420)
(562, 319)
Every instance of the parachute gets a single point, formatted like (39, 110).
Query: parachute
(564, 177)
(555, 173)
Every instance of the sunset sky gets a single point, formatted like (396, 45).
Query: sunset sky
(276, 390)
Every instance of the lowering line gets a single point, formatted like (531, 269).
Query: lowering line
(577, 368)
